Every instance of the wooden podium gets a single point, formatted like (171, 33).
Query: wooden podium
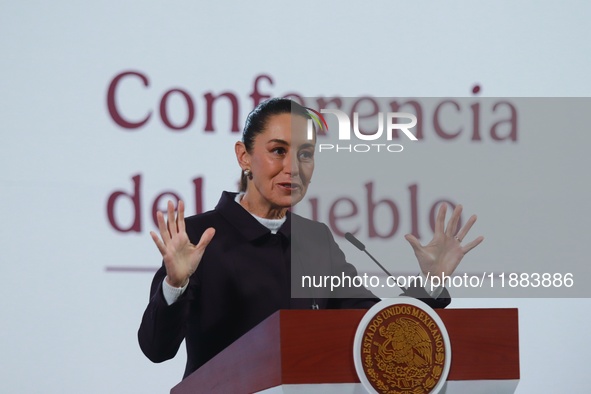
(308, 351)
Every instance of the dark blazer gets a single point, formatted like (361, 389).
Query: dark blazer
(245, 276)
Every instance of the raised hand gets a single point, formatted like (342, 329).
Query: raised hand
(181, 257)
(445, 251)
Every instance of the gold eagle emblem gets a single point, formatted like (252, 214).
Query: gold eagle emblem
(403, 352)
(406, 342)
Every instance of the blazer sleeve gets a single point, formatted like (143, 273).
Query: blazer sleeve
(419, 292)
(163, 326)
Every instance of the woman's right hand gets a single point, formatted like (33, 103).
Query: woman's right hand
(181, 257)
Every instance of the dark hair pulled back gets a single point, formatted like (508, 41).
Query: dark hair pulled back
(257, 121)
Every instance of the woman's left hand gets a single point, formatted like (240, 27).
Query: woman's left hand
(445, 251)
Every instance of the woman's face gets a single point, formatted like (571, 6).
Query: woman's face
(281, 161)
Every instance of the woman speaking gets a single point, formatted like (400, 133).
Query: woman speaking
(226, 270)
